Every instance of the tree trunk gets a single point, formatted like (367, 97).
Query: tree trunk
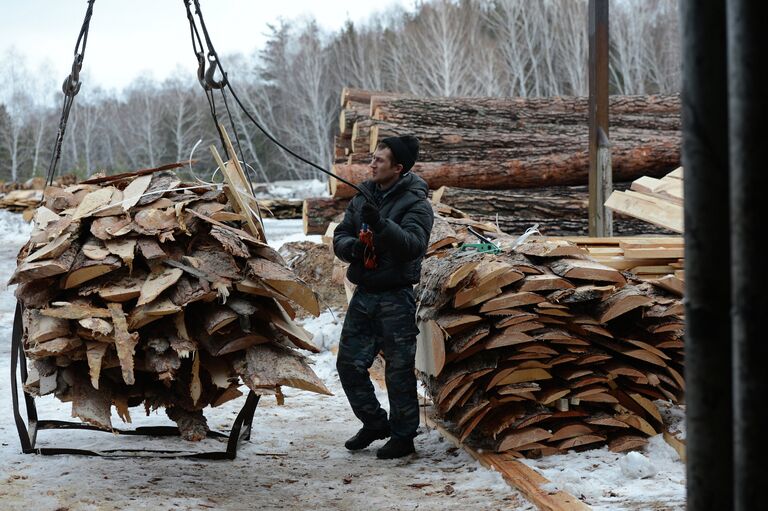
(351, 95)
(351, 114)
(645, 112)
(361, 135)
(318, 212)
(559, 210)
(281, 208)
(438, 143)
(654, 157)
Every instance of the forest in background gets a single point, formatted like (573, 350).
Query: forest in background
(292, 84)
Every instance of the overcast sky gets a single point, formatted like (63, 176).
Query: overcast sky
(133, 37)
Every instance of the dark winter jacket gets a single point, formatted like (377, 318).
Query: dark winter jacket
(400, 241)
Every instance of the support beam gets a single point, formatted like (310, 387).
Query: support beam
(748, 110)
(709, 416)
(599, 149)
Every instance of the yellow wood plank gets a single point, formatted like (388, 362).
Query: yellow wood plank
(234, 197)
(239, 178)
(518, 475)
(677, 444)
(650, 209)
(654, 253)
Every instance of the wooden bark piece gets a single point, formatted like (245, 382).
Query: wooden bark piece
(586, 270)
(621, 302)
(125, 342)
(42, 328)
(36, 270)
(54, 347)
(511, 299)
(91, 405)
(110, 226)
(68, 310)
(550, 247)
(124, 249)
(94, 201)
(95, 352)
(156, 221)
(150, 249)
(94, 249)
(217, 317)
(52, 250)
(160, 184)
(230, 242)
(545, 282)
(267, 366)
(285, 282)
(157, 282)
(519, 438)
(122, 289)
(85, 269)
(134, 191)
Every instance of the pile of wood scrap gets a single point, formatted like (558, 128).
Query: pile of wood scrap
(518, 150)
(540, 348)
(36, 183)
(24, 197)
(140, 289)
(21, 200)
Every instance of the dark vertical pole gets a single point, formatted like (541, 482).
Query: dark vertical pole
(599, 165)
(748, 114)
(709, 414)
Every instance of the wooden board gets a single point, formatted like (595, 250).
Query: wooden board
(518, 475)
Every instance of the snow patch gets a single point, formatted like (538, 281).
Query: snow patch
(636, 466)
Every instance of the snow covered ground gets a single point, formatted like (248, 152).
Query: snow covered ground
(295, 459)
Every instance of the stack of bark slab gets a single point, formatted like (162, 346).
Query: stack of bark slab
(515, 161)
(540, 349)
(144, 290)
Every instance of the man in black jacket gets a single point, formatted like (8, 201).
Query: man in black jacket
(382, 312)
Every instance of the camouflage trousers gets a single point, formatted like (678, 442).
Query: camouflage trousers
(381, 321)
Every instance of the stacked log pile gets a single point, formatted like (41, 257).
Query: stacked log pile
(530, 154)
(540, 349)
(144, 290)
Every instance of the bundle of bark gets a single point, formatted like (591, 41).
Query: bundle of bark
(144, 290)
(509, 160)
(540, 349)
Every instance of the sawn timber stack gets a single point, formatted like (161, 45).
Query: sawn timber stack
(541, 349)
(144, 290)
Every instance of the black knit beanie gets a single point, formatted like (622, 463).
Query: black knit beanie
(405, 149)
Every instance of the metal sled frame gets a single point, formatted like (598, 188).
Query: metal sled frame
(27, 429)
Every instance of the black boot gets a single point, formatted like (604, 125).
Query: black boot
(365, 437)
(396, 448)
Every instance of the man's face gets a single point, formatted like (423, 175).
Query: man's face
(383, 171)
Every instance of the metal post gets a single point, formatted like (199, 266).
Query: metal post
(599, 150)
(709, 416)
(748, 111)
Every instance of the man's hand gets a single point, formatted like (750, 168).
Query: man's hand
(371, 215)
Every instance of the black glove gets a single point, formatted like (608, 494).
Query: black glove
(371, 216)
(358, 250)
